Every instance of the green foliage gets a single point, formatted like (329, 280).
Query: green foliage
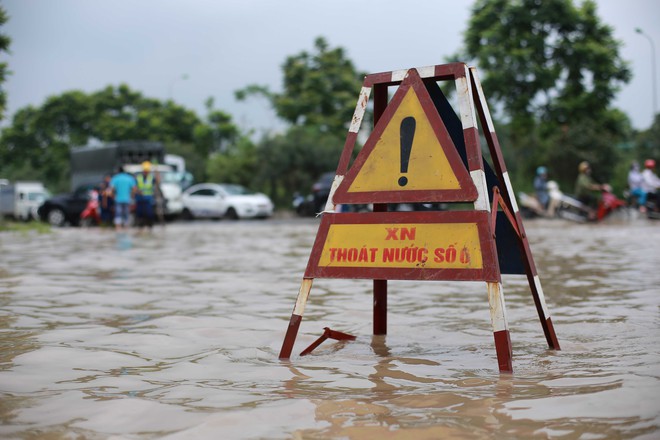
(572, 144)
(648, 142)
(280, 164)
(552, 68)
(123, 114)
(320, 89)
(34, 147)
(217, 134)
(237, 164)
(548, 60)
(37, 143)
(4, 71)
(24, 228)
(292, 161)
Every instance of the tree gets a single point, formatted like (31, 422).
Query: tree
(236, 165)
(37, 143)
(591, 140)
(545, 59)
(4, 47)
(218, 134)
(319, 89)
(290, 162)
(119, 113)
(551, 67)
(648, 142)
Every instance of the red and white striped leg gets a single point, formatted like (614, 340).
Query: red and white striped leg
(296, 318)
(500, 327)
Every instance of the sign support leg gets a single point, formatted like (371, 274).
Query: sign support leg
(500, 327)
(380, 307)
(539, 301)
(510, 200)
(296, 318)
(380, 294)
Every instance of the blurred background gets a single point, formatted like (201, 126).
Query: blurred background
(261, 93)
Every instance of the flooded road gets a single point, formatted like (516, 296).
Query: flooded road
(176, 334)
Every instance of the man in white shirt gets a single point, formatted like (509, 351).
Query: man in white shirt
(635, 186)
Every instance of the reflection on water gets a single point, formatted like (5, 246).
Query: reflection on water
(175, 334)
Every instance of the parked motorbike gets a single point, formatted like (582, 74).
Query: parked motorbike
(91, 214)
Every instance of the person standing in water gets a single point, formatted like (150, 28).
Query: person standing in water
(123, 188)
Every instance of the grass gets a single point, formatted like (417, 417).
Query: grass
(10, 225)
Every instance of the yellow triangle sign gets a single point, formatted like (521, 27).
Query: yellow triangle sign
(409, 157)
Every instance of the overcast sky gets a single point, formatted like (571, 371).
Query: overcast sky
(224, 45)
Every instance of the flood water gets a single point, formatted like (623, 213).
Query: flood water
(176, 334)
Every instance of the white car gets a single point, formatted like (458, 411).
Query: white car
(216, 200)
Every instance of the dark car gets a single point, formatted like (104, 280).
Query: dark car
(321, 190)
(65, 208)
(315, 202)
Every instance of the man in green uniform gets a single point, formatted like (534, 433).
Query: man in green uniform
(144, 196)
(586, 189)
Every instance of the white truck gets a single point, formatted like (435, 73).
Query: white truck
(20, 200)
(90, 163)
(178, 164)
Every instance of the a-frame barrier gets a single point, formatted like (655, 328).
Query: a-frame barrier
(449, 168)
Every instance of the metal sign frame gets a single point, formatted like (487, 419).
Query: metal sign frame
(472, 104)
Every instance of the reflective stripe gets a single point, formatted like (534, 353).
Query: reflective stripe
(146, 187)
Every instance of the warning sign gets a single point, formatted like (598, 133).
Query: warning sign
(409, 157)
(404, 245)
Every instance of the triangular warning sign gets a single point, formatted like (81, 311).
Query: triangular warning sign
(409, 157)
(420, 151)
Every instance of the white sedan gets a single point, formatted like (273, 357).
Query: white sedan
(217, 200)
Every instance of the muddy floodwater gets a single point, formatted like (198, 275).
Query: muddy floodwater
(176, 335)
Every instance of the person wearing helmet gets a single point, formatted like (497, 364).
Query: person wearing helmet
(541, 186)
(650, 181)
(587, 190)
(144, 196)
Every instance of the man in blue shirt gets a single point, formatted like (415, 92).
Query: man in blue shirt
(123, 187)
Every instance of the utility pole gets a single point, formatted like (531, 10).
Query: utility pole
(653, 73)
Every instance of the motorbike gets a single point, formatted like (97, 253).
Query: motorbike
(653, 205)
(567, 207)
(530, 207)
(91, 214)
(608, 204)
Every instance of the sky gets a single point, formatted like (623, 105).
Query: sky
(190, 50)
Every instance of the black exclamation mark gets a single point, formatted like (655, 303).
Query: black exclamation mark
(407, 134)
